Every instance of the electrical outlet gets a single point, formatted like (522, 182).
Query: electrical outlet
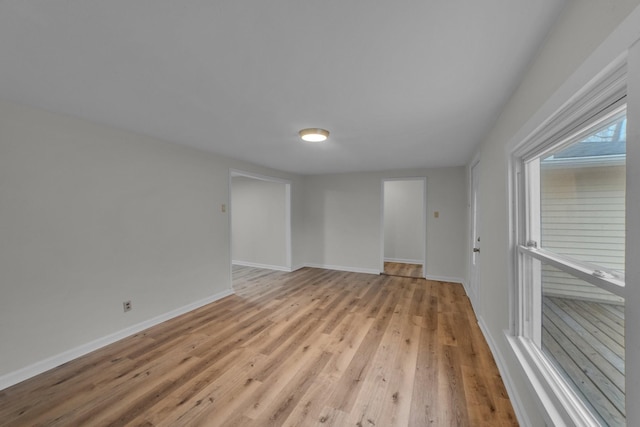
(126, 306)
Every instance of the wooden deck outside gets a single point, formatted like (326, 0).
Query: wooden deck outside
(586, 339)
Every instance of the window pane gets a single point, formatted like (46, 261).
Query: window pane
(582, 197)
(583, 335)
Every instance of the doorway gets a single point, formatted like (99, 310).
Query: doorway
(260, 221)
(403, 227)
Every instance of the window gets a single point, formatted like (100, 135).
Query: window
(570, 192)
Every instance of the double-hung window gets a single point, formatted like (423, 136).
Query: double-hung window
(569, 245)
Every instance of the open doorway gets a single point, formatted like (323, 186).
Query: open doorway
(404, 227)
(260, 221)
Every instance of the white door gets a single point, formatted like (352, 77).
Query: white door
(475, 235)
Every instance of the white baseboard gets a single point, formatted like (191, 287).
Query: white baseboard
(27, 372)
(521, 414)
(473, 298)
(343, 268)
(444, 279)
(257, 265)
(404, 261)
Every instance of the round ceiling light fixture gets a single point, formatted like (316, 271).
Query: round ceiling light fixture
(314, 134)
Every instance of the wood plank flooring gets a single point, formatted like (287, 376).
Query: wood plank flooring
(403, 269)
(586, 341)
(309, 348)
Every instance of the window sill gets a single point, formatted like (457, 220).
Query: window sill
(556, 400)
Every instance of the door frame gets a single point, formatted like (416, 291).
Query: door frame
(424, 219)
(287, 212)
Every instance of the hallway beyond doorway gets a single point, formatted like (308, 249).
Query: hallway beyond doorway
(403, 269)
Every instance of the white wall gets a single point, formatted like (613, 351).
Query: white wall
(91, 216)
(258, 210)
(344, 220)
(404, 222)
(579, 30)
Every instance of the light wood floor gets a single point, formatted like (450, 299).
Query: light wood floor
(403, 269)
(586, 340)
(308, 348)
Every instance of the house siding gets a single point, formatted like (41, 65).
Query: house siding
(583, 216)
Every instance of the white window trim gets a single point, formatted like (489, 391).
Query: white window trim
(596, 101)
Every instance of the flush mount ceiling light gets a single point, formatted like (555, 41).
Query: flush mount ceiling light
(314, 134)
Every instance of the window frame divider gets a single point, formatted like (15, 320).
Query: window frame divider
(580, 270)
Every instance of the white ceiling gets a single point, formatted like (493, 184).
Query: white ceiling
(399, 84)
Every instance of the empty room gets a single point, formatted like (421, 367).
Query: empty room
(312, 213)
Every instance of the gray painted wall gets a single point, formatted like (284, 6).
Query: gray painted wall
(92, 216)
(344, 224)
